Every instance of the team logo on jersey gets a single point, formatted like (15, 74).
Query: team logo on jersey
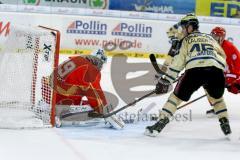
(136, 30)
(91, 27)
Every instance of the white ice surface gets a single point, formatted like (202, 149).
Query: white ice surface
(198, 139)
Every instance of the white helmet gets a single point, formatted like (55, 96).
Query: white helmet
(99, 53)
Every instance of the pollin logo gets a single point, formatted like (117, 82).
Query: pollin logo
(101, 4)
(31, 2)
(91, 27)
(137, 30)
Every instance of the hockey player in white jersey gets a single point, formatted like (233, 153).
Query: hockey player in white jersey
(204, 63)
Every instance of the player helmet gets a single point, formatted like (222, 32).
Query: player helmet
(99, 53)
(190, 19)
(219, 32)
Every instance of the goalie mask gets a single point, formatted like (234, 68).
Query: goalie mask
(97, 58)
(99, 53)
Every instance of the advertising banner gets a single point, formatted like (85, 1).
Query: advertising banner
(9, 2)
(157, 6)
(113, 34)
(80, 34)
(97, 4)
(220, 8)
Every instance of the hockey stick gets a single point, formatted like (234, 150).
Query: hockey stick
(98, 115)
(196, 99)
(184, 105)
(157, 69)
(155, 65)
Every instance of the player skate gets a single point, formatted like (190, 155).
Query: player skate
(224, 124)
(155, 129)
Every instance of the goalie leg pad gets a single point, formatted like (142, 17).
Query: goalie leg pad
(115, 122)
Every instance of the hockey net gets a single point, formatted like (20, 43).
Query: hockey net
(27, 58)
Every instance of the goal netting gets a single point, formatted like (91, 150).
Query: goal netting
(27, 57)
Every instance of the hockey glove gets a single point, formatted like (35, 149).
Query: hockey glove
(176, 44)
(162, 86)
(232, 83)
(234, 88)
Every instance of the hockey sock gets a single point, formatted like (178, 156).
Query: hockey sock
(219, 107)
(170, 106)
(209, 98)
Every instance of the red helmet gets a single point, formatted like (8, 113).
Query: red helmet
(219, 31)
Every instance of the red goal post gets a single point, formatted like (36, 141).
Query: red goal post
(56, 62)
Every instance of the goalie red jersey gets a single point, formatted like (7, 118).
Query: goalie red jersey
(77, 77)
(232, 74)
(233, 57)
